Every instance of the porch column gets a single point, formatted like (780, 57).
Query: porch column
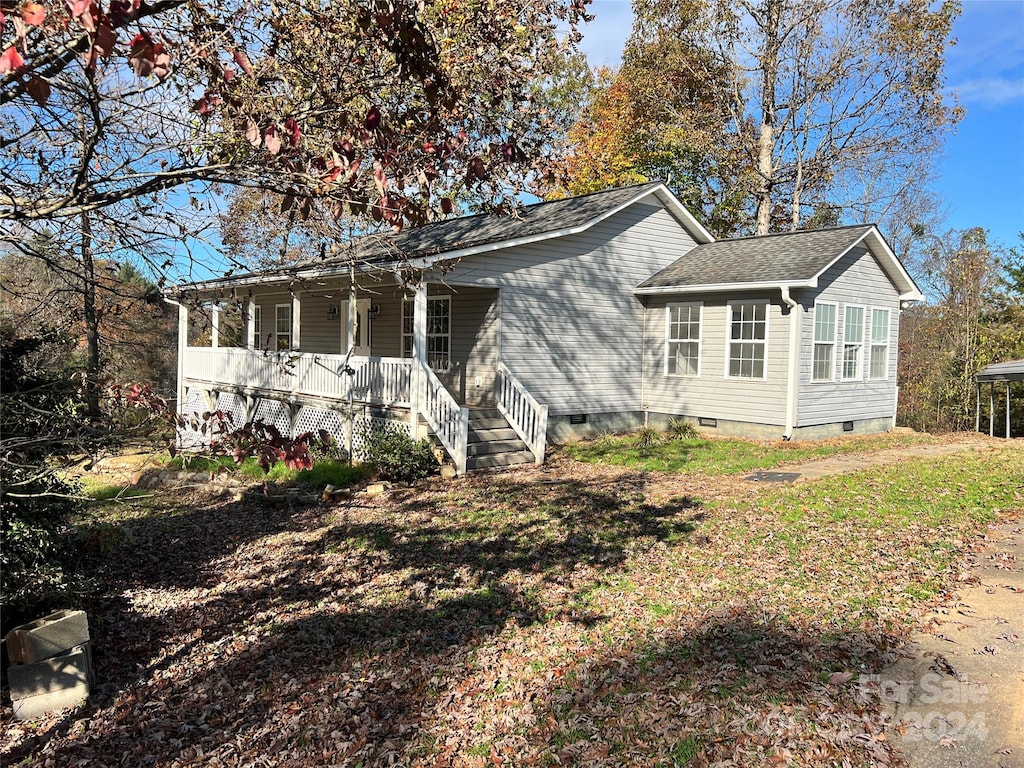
(182, 350)
(214, 325)
(419, 352)
(250, 323)
(296, 320)
(353, 312)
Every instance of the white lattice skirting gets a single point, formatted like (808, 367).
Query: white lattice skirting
(289, 420)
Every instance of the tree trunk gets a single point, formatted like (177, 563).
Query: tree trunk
(766, 140)
(91, 318)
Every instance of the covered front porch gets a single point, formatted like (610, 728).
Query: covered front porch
(428, 353)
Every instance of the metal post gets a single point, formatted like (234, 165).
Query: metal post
(250, 323)
(1007, 410)
(419, 353)
(214, 325)
(296, 321)
(992, 409)
(977, 407)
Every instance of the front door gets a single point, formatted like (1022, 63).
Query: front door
(361, 342)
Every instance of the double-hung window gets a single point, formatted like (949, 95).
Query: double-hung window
(682, 339)
(879, 360)
(853, 342)
(748, 335)
(439, 331)
(257, 325)
(824, 342)
(283, 327)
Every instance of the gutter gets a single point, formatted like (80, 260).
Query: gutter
(794, 362)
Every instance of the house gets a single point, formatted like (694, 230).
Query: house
(595, 313)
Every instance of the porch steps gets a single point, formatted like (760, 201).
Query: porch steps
(492, 442)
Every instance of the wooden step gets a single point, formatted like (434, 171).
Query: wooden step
(493, 460)
(495, 446)
(487, 435)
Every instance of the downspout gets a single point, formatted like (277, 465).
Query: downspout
(794, 362)
(643, 362)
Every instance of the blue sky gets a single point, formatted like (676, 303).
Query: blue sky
(981, 173)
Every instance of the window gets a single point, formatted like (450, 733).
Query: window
(682, 339)
(748, 332)
(879, 365)
(283, 327)
(439, 324)
(257, 325)
(824, 342)
(853, 342)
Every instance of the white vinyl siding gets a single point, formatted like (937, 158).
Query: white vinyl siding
(570, 327)
(439, 331)
(853, 343)
(879, 362)
(824, 365)
(283, 326)
(682, 339)
(748, 336)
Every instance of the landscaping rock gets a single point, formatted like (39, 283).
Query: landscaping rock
(448, 472)
(377, 489)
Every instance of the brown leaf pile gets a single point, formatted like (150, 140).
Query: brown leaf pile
(564, 615)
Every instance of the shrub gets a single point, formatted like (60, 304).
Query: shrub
(648, 437)
(681, 429)
(394, 455)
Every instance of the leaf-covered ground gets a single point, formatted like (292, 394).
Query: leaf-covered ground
(566, 615)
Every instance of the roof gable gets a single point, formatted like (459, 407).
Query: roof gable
(455, 238)
(794, 259)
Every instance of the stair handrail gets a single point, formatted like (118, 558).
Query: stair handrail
(523, 412)
(445, 417)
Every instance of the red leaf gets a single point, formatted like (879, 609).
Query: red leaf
(32, 13)
(252, 132)
(78, 7)
(11, 61)
(372, 120)
(228, 74)
(271, 140)
(446, 205)
(243, 61)
(292, 126)
(39, 90)
(105, 39)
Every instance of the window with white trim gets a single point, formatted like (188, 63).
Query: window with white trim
(878, 368)
(682, 339)
(283, 327)
(853, 342)
(748, 336)
(257, 326)
(824, 364)
(439, 330)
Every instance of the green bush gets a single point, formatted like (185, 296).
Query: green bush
(394, 455)
(681, 429)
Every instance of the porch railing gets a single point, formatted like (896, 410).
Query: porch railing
(379, 380)
(522, 411)
(446, 418)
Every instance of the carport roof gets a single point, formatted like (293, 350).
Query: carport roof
(1012, 370)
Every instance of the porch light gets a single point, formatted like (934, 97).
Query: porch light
(332, 312)
(373, 311)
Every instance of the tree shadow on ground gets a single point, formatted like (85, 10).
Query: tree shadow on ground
(209, 624)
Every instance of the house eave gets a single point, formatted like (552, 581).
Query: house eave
(662, 192)
(724, 287)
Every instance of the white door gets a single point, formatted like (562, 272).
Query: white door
(361, 344)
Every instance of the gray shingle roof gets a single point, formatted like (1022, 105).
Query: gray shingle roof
(472, 231)
(789, 257)
(1012, 370)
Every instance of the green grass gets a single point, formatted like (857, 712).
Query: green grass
(722, 456)
(99, 491)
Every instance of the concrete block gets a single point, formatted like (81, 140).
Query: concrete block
(47, 636)
(54, 701)
(68, 670)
